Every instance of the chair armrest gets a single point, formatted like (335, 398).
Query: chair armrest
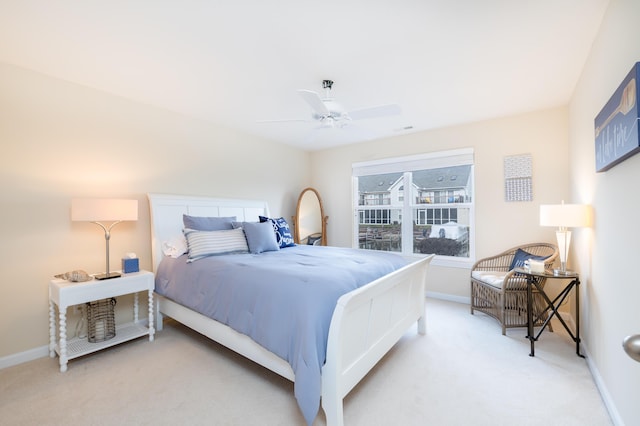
(515, 281)
(501, 262)
(548, 263)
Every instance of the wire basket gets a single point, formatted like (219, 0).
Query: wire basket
(101, 323)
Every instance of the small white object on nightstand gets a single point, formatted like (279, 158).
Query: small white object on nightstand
(64, 293)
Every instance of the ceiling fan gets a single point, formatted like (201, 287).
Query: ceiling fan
(330, 113)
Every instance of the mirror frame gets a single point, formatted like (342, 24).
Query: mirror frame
(323, 218)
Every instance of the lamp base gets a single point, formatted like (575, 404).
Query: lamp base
(107, 276)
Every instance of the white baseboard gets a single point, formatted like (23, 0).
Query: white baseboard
(604, 393)
(26, 356)
(595, 374)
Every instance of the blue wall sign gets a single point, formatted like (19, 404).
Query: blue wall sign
(616, 126)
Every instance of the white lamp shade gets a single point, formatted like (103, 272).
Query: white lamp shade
(565, 215)
(103, 209)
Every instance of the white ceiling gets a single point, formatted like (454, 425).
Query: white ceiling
(444, 62)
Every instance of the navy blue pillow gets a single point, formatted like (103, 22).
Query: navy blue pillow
(521, 256)
(281, 228)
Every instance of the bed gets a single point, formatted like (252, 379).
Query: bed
(365, 323)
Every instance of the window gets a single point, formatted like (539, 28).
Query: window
(434, 190)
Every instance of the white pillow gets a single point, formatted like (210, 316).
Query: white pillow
(211, 243)
(175, 247)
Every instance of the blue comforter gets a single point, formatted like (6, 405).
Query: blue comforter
(283, 300)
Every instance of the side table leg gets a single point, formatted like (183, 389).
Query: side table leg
(63, 338)
(577, 290)
(52, 330)
(530, 331)
(152, 331)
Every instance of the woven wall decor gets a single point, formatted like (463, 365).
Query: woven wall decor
(518, 178)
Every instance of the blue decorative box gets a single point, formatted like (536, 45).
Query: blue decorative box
(130, 265)
(616, 126)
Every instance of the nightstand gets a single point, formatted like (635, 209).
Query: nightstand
(64, 293)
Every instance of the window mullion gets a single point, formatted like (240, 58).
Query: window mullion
(407, 214)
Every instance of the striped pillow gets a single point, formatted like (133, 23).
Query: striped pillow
(211, 243)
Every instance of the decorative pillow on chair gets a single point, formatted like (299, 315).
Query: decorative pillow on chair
(201, 223)
(521, 256)
(260, 237)
(282, 231)
(211, 243)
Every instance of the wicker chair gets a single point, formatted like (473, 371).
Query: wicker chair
(501, 293)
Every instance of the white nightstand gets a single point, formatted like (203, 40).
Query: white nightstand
(64, 293)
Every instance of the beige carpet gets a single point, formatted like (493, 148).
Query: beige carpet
(463, 372)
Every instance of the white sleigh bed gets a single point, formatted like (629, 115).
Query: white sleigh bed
(366, 322)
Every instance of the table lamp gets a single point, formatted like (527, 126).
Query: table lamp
(98, 210)
(564, 216)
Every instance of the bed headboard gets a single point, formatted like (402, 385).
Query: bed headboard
(166, 215)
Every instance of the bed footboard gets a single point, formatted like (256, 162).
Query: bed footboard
(366, 323)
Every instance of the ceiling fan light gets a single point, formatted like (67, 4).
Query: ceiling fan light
(327, 122)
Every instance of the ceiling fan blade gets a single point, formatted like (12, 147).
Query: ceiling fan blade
(314, 100)
(286, 120)
(375, 112)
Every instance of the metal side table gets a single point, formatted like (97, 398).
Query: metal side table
(535, 279)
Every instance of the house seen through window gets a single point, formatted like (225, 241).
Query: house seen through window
(416, 205)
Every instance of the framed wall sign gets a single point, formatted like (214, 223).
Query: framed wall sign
(616, 126)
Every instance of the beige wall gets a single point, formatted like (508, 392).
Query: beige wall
(499, 224)
(606, 254)
(61, 140)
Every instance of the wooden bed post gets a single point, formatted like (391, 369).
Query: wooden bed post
(333, 411)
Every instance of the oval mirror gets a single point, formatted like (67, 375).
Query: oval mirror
(310, 223)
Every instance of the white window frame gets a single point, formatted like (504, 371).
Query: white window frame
(441, 159)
